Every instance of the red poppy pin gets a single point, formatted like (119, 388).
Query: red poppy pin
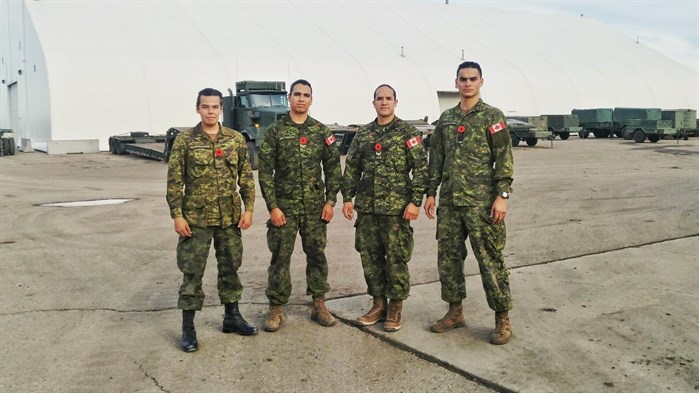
(378, 147)
(219, 152)
(303, 140)
(461, 129)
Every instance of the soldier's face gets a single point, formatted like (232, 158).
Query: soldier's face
(384, 102)
(209, 110)
(469, 82)
(300, 99)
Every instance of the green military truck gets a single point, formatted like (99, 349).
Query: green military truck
(528, 129)
(563, 125)
(597, 121)
(254, 106)
(7, 142)
(640, 124)
(683, 120)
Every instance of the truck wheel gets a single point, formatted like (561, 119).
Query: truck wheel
(584, 134)
(564, 135)
(6, 146)
(252, 154)
(654, 138)
(532, 141)
(626, 134)
(515, 139)
(11, 146)
(639, 136)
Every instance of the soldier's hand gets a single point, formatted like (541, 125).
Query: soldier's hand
(429, 207)
(498, 211)
(245, 220)
(328, 213)
(277, 217)
(411, 212)
(182, 227)
(348, 210)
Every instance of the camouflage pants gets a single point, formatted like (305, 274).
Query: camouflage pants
(192, 253)
(454, 226)
(281, 240)
(385, 244)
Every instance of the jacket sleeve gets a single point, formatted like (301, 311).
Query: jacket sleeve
(353, 170)
(436, 160)
(503, 162)
(175, 176)
(265, 173)
(417, 159)
(331, 167)
(246, 180)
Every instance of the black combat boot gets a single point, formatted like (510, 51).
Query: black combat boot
(233, 322)
(189, 335)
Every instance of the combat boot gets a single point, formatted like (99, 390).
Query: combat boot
(320, 313)
(233, 322)
(503, 329)
(376, 314)
(189, 334)
(395, 308)
(453, 319)
(274, 318)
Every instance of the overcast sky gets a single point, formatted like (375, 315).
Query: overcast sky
(670, 26)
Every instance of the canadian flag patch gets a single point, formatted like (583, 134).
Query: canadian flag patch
(412, 142)
(497, 127)
(330, 140)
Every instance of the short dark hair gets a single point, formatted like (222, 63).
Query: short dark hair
(209, 92)
(395, 96)
(300, 82)
(469, 64)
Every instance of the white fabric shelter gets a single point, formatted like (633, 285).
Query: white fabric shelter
(74, 70)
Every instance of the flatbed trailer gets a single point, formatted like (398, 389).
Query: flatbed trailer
(142, 144)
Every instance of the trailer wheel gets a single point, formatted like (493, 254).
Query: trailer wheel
(11, 146)
(564, 135)
(532, 141)
(639, 136)
(654, 138)
(252, 155)
(515, 139)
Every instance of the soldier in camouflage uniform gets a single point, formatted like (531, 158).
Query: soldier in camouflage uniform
(377, 174)
(204, 166)
(299, 178)
(471, 158)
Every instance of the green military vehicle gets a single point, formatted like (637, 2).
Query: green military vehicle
(7, 142)
(597, 121)
(683, 120)
(563, 125)
(255, 105)
(640, 124)
(528, 129)
(143, 144)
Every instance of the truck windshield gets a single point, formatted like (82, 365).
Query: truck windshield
(268, 100)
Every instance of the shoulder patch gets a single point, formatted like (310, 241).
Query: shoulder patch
(330, 140)
(412, 142)
(497, 127)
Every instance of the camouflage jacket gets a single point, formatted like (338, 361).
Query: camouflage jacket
(470, 156)
(290, 166)
(378, 166)
(202, 176)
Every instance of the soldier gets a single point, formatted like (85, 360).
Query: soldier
(291, 180)
(377, 174)
(205, 164)
(471, 158)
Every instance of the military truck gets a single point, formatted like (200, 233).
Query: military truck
(597, 121)
(7, 142)
(521, 130)
(641, 123)
(683, 120)
(563, 125)
(528, 129)
(143, 144)
(255, 105)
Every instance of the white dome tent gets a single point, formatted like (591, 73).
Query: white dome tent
(86, 70)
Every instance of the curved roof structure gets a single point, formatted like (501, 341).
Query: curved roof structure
(112, 67)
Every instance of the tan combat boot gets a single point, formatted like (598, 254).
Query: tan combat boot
(503, 329)
(395, 308)
(274, 318)
(320, 313)
(376, 314)
(454, 318)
